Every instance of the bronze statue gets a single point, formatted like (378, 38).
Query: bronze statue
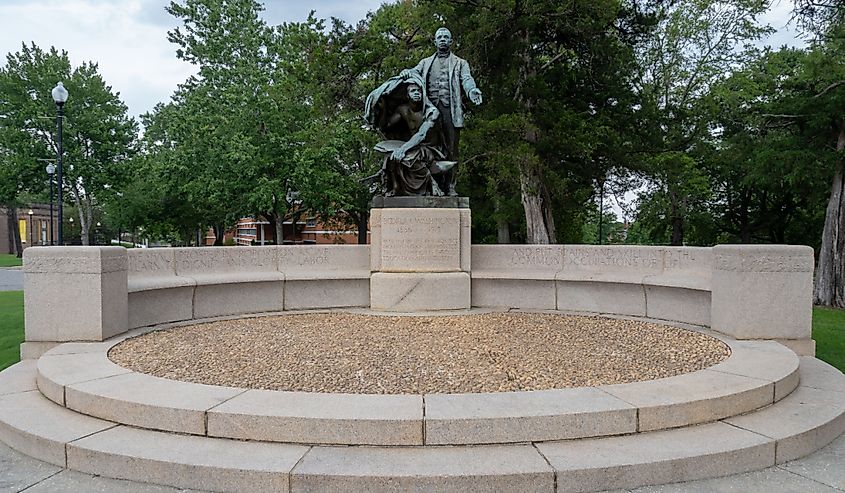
(420, 114)
(446, 75)
(412, 151)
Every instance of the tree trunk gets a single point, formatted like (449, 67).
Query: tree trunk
(503, 230)
(219, 230)
(830, 274)
(677, 221)
(744, 222)
(363, 222)
(279, 223)
(14, 232)
(536, 215)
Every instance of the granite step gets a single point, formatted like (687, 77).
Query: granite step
(83, 379)
(803, 421)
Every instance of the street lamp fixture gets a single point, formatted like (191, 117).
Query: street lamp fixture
(60, 95)
(30, 226)
(51, 168)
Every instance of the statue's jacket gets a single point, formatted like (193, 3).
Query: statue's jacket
(460, 78)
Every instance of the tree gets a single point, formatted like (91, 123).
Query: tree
(696, 43)
(99, 135)
(558, 103)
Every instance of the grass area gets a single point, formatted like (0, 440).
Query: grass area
(829, 333)
(9, 260)
(11, 327)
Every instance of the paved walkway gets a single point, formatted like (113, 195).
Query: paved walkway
(11, 279)
(822, 472)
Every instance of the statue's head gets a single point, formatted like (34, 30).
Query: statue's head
(414, 93)
(443, 39)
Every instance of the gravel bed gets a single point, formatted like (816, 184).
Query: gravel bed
(373, 354)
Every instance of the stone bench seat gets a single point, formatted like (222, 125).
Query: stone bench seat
(510, 274)
(687, 280)
(236, 277)
(138, 284)
(698, 281)
(328, 275)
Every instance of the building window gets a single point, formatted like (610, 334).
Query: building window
(311, 223)
(22, 228)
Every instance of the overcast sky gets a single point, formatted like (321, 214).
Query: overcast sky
(128, 38)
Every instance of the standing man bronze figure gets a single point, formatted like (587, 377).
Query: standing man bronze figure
(446, 75)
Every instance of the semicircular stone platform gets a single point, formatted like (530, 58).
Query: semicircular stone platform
(762, 406)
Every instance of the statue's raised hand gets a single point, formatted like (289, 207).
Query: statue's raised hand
(405, 73)
(475, 96)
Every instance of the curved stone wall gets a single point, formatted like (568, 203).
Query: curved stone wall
(93, 293)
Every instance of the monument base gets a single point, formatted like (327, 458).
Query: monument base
(414, 292)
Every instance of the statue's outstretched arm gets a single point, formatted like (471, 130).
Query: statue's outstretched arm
(468, 83)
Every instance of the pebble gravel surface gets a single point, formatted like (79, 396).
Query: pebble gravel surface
(374, 354)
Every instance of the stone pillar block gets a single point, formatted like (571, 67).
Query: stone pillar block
(420, 254)
(75, 293)
(763, 291)
(419, 292)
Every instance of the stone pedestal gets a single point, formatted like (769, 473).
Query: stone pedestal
(763, 291)
(420, 254)
(74, 293)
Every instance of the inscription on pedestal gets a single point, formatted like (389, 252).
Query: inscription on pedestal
(420, 240)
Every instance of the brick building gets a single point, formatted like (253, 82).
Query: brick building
(33, 223)
(258, 231)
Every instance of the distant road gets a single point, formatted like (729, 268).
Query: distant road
(11, 280)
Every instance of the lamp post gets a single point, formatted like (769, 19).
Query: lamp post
(60, 95)
(29, 213)
(51, 168)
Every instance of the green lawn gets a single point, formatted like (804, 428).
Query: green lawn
(828, 331)
(11, 327)
(9, 260)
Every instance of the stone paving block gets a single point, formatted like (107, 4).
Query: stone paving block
(764, 360)
(305, 417)
(18, 472)
(601, 297)
(72, 481)
(31, 424)
(514, 293)
(824, 466)
(817, 374)
(693, 398)
(327, 293)
(149, 402)
(771, 480)
(668, 456)
(525, 416)
(186, 461)
(17, 378)
(803, 422)
(494, 468)
(55, 373)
